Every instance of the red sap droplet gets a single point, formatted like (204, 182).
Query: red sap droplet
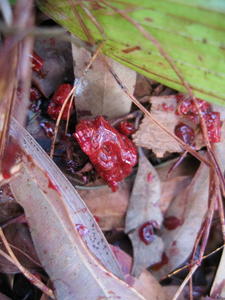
(172, 222)
(52, 186)
(185, 133)
(149, 177)
(9, 158)
(167, 107)
(82, 230)
(160, 264)
(146, 232)
(97, 219)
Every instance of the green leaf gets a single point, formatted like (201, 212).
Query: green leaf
(191, 32)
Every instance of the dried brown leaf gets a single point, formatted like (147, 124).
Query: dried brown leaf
(53, 208)
(108, 208)
(144, 207)
(100, 94)
(151, 136)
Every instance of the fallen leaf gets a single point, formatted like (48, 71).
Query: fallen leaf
(108, 208)
(150, 136)
(144, 207)
(188, 210)
(145, 284)
(100, 94)
(65, 234)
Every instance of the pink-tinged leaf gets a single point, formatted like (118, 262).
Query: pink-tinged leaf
(144, 217)
(183, 221)
(53, 209)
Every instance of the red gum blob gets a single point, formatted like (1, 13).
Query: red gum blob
(146, 232)
(82, 230)
(57, 101)
(112, 154)
(185, 133)
(160, 264)
(213, 125)
(172, 222)
(34, 94)
(48, 128)
(149, 177)
(126, 128)
(37, 62)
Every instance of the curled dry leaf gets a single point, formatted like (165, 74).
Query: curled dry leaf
(65, 234)
(100, 93)
(144, 207)
(186, 214)
(58, 66)
(108, 208)
(150, 135)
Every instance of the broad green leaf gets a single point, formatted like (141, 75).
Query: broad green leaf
(191, 32)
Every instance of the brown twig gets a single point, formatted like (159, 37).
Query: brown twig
(12, 258)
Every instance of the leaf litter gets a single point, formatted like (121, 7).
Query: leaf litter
(164, 206)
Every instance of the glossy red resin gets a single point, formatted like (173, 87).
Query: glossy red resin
(172, 222)
(126, 128)
(213, 124)
(112, 154)
(187, 108)
(57, 101)
(10, 156)
(37, 62)
(34, 94)
(146, 232)
(185, 133)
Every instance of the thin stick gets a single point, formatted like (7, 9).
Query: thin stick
(187, 278)
(12, 258)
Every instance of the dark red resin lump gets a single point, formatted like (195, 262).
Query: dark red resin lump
(57, 101)
(112, 154)
(187, 108)
(146, 232)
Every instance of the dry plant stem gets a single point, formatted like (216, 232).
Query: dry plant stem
(72, 99)
(58, 121)
(194, 262)
(93, 20)
(191, 289)
(177, 163)
(26, 273)
(82, 24)
(181, 287)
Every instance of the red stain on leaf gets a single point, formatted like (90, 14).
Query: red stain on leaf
(128, 50)
(172, 222)
(146, 232)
